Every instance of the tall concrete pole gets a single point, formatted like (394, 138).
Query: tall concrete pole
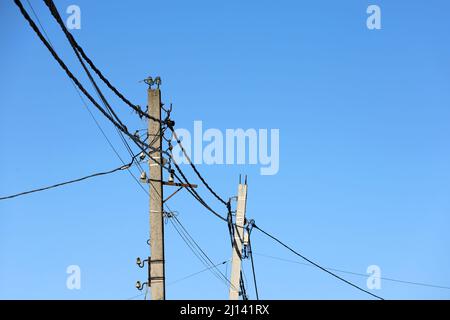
(238, 242)
(157, 272)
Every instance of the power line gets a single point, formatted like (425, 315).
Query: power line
(188, 239)
(184, 234)
(198, 198)
(356, 273)
(210, 262)
(195, 168)
(192, 191)
(75, 80)
(123, 167)
(90, 112)
(123, 129)
(73, 44)
(139, 143)
(243, 291)
(58, 18)
(78, 50)
(25, 14)
(112, 117)
(61, 63)
(198, 272)
(137, 296)
(196, 249)
(72, 40)
(314, 263)
(185, 277)
(253, 264)
(189, 187)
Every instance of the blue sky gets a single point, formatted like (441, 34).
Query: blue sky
(364, 159)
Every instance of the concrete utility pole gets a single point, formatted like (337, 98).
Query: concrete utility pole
(156, 263)
(238, 241)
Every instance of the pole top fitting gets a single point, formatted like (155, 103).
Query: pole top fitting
(151, 82)
(158, 81)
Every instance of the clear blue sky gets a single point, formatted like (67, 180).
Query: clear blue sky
(364, 155)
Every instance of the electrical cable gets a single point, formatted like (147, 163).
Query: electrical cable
(192, 244)
(197, 251)
(195, 168)
(123, 167)
(201, 250)
(73, 44)
(87, 107)
(314, 263)
(72, 40)
(186, 277)
(357, 273)
(243, 291)
(139, 143)
(193, 192)
(253, 265)
(112, 117)
(198, 272)
(71, 76)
